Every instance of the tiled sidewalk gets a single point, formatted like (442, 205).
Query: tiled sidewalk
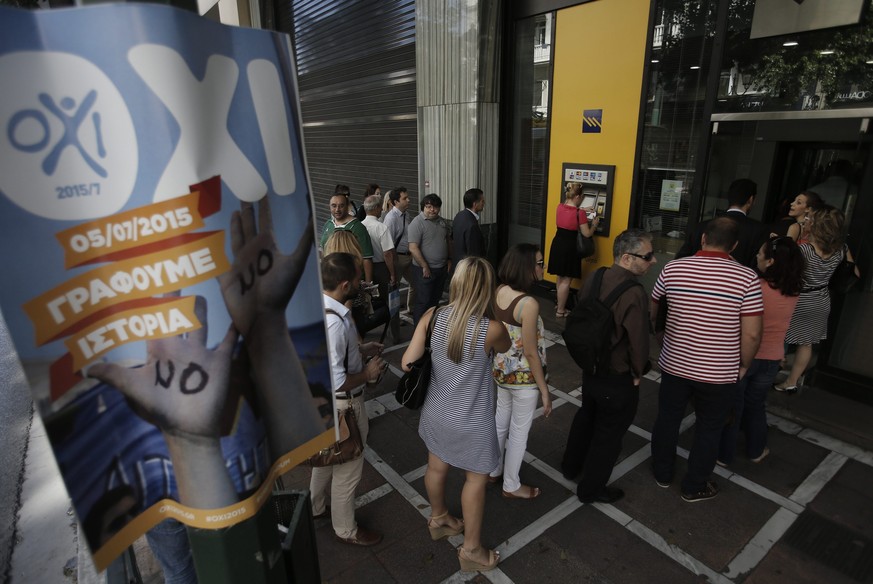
(805, 514)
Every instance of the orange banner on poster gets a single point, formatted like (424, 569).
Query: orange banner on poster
(103, 239)
(197, 258)
(174, 316)
(210, 518)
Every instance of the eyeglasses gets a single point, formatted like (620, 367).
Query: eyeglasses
(646, 258)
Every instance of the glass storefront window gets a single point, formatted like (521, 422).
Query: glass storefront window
(532, 71)
(830, 68)
(682, 46)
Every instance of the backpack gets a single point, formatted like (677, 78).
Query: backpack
(590, 325)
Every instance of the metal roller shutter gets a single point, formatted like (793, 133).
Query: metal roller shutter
(356, 73)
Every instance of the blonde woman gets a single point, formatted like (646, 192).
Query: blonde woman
(809, 322)
(366, 319)
(343, 241)
(457, 419)
(564, 260)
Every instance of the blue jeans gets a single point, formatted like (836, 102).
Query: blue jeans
(749, 411)
(168, 540)
(712, 403)
(428, 291)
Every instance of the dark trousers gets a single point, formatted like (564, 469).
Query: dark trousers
(608, 407)
(749, 411)
(712, 404)
(382, 277)
(428, 291)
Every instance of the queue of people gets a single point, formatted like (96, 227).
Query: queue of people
(727, 315)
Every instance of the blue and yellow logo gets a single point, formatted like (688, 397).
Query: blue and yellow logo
(592, 121)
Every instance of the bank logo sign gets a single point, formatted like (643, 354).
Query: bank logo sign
(592, 121)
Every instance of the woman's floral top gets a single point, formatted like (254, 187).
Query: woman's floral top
(512, 368)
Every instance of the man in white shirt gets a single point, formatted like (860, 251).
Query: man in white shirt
(397, 221)
(383, 255)
(341, 276)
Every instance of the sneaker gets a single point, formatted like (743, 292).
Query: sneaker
(709, 491)
(762, 456)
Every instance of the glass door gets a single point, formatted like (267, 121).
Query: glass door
(835, 159)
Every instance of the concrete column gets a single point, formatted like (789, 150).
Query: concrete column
(458, 80)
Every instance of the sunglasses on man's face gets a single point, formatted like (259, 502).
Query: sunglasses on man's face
(646, 258)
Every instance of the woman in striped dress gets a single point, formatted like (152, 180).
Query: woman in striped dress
(809, 322)
(457, 419)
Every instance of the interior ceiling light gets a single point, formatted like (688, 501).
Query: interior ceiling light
(655, 61)
(870, 62)
(826, 52)
(789, 44)
(695, 67)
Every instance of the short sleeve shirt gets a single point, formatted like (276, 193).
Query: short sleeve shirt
(431, 235)
(379, 237)
(707, 295)
(339, 330)
(397, 223)
(358, 230)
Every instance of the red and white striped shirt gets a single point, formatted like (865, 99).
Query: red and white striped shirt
(707, 294)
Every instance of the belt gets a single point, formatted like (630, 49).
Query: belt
(351, 394)
(402, 253)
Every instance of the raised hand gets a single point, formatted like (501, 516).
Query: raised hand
(261, 279)
(183, 387)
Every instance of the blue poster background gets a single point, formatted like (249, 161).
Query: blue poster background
(110, 108)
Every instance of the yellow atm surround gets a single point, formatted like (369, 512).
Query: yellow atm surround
(599, 53)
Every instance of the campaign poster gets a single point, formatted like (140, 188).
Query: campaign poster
(159, 273)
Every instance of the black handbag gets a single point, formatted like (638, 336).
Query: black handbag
(584, 245)
(350, 445)
(412, 388)
(844, 279)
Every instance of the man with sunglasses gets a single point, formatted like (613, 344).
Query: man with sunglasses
(713, 329)
(609, 403)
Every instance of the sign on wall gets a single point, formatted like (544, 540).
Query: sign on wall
(158, 263)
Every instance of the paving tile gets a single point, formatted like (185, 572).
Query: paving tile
(396, 442)
(789, 463)
(848, 498)
(786, 565)
(563, 371)
(588, 546)
(410, 554)
(711, 531)
(504, 517)
(548, 436)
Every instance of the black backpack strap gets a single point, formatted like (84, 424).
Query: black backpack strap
(346, 360)
(619, 290)
(594, 292)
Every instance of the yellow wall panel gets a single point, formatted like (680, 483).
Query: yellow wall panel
(599, 52)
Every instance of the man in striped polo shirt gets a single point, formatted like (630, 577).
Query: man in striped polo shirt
(714, 316)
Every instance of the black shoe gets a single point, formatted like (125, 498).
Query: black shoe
(709, 490)
(570, 476)
(607, 495)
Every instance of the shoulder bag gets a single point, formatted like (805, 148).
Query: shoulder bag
(349, 447)
(350, 444)
(412, 387)
(844, 279)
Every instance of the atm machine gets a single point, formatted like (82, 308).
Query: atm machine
(597, 182)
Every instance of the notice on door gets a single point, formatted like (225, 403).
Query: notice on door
(671, 195)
